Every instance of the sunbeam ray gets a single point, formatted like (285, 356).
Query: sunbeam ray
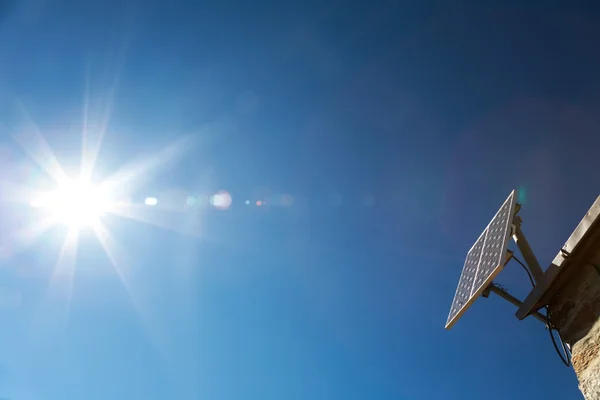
(89, 152)
(87, 167)
(60, 288)
(25, 237)
(18, 192)
(34, 144)
(130, 177)
(65, 266)
(118, 258)
(93, 132)
(154, 216)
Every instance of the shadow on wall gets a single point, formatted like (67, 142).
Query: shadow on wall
(575, 301)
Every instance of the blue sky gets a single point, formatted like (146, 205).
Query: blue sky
(397, 128)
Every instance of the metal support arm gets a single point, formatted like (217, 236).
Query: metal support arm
(525, 249)
(513, 300)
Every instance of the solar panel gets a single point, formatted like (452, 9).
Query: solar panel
(484, 260)
(465, 283)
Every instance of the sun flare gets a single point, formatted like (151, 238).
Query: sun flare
(76, 203)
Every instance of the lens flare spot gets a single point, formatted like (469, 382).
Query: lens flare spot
(191, 200)
(221, 200)
(522, 195)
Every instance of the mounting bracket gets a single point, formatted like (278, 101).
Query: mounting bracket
(523, 245)
(493, 288)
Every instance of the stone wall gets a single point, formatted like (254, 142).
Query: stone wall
(576, 313)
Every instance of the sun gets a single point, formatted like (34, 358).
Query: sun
(76, 203)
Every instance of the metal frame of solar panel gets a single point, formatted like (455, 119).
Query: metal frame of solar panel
(484, 260)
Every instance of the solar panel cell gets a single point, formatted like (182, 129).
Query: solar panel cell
(494, 251)
(465, 284)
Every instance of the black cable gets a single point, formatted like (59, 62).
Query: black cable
(566, 359)
(596, 267)
(526, 270)
(567, 354)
